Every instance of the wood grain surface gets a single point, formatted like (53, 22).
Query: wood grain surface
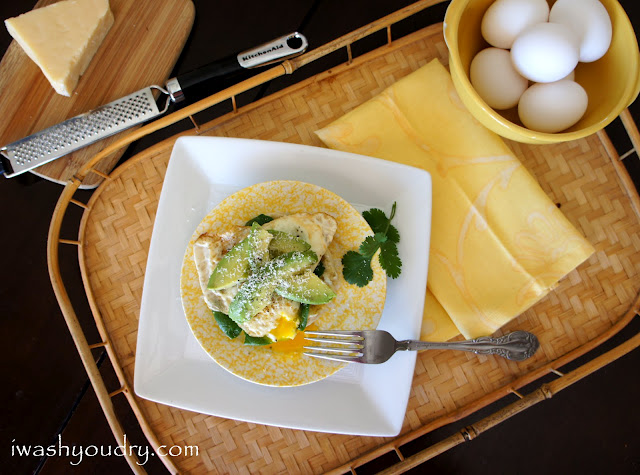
(140, 49)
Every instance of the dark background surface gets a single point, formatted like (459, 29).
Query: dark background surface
(589, 428)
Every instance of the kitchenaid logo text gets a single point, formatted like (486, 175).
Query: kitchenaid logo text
(264, 51)
(77, 453)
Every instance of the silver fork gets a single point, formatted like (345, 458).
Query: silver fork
(377, 346)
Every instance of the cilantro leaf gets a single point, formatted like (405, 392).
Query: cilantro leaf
(380, 237)
(392, 234)
(376, 219)
(390, 260)
(356, 268)
(369, 246)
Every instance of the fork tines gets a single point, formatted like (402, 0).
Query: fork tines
(336, 345)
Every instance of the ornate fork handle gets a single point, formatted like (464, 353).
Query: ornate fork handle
(518, 345)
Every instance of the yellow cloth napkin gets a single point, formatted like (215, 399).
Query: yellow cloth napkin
(498, 243)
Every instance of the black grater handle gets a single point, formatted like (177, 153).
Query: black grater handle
(213, 70)
(274, 51)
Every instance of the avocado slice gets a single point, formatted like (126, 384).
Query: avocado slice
(259, 242)
(243, 258)
(256, 293)
(305, 288)
(283, 243)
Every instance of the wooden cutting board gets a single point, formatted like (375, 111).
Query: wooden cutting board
(140, 50)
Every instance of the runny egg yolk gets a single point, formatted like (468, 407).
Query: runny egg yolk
(286, 329)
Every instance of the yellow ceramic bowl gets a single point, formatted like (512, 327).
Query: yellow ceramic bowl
(612, 83)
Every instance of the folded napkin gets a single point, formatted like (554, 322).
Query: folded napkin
(498, 243)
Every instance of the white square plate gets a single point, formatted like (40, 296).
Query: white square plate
(171, 367)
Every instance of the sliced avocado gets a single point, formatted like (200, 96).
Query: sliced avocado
(259, 241)
(242, 259)
(305, 288)
(255, 294)
(284, 242)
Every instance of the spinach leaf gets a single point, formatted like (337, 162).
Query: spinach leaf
(228, 326)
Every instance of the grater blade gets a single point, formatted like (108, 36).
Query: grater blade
(82, 130)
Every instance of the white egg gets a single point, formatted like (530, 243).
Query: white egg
(504, 20)
(495, 79)
(545, 52)
(591, 23)
(552, 107)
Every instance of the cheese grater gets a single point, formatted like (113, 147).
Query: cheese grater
(136, 108)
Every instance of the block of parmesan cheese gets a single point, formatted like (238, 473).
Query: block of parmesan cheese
(62, 38)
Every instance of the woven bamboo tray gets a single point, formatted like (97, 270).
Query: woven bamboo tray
(585, 178)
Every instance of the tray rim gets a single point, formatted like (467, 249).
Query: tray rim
(542, 393)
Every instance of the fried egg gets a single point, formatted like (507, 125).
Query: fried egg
(316, 229)
(280, 319)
